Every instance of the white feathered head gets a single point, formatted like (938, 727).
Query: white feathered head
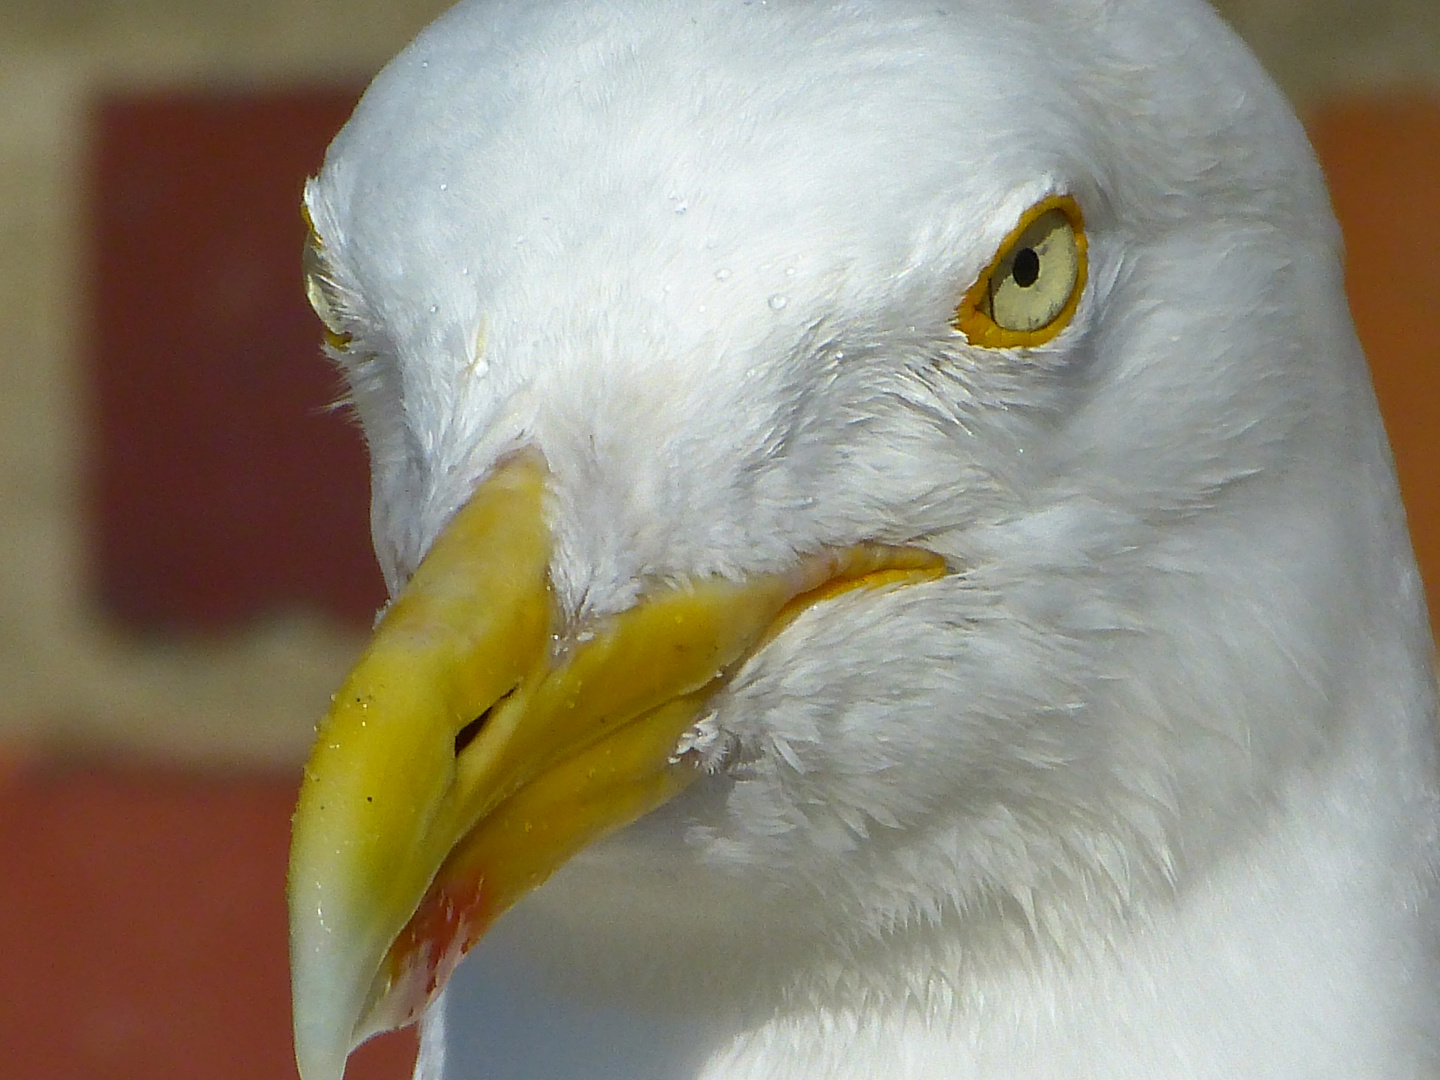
(921, 445)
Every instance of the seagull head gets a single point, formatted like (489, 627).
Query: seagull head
(849, 477)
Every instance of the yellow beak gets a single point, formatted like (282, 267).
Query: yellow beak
(467, 755)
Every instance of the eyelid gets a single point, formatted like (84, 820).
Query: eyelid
(320, 288)
(971, 316)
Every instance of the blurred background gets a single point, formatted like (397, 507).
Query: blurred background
(184, 556)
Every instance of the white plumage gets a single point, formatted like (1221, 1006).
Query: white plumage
(1145, 787)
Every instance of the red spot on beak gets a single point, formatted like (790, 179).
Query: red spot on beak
(449, 921)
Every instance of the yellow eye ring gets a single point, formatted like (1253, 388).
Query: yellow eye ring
(318, 289)
(1031, 289)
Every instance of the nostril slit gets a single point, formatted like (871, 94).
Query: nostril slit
(467, 734)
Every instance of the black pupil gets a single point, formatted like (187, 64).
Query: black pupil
(1026, 268)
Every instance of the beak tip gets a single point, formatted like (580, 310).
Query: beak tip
(325, 1008)
(319, 1059)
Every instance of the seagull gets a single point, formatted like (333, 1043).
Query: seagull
(894, 554)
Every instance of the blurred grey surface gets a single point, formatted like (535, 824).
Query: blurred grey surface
(504, 1022)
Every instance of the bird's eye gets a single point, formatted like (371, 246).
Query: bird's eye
(1030, 290)
(320, 290)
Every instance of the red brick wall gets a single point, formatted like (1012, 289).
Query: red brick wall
(1382, 158)
(222, 489)
(143, 929)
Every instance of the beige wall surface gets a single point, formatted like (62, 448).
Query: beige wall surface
(67, 677)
